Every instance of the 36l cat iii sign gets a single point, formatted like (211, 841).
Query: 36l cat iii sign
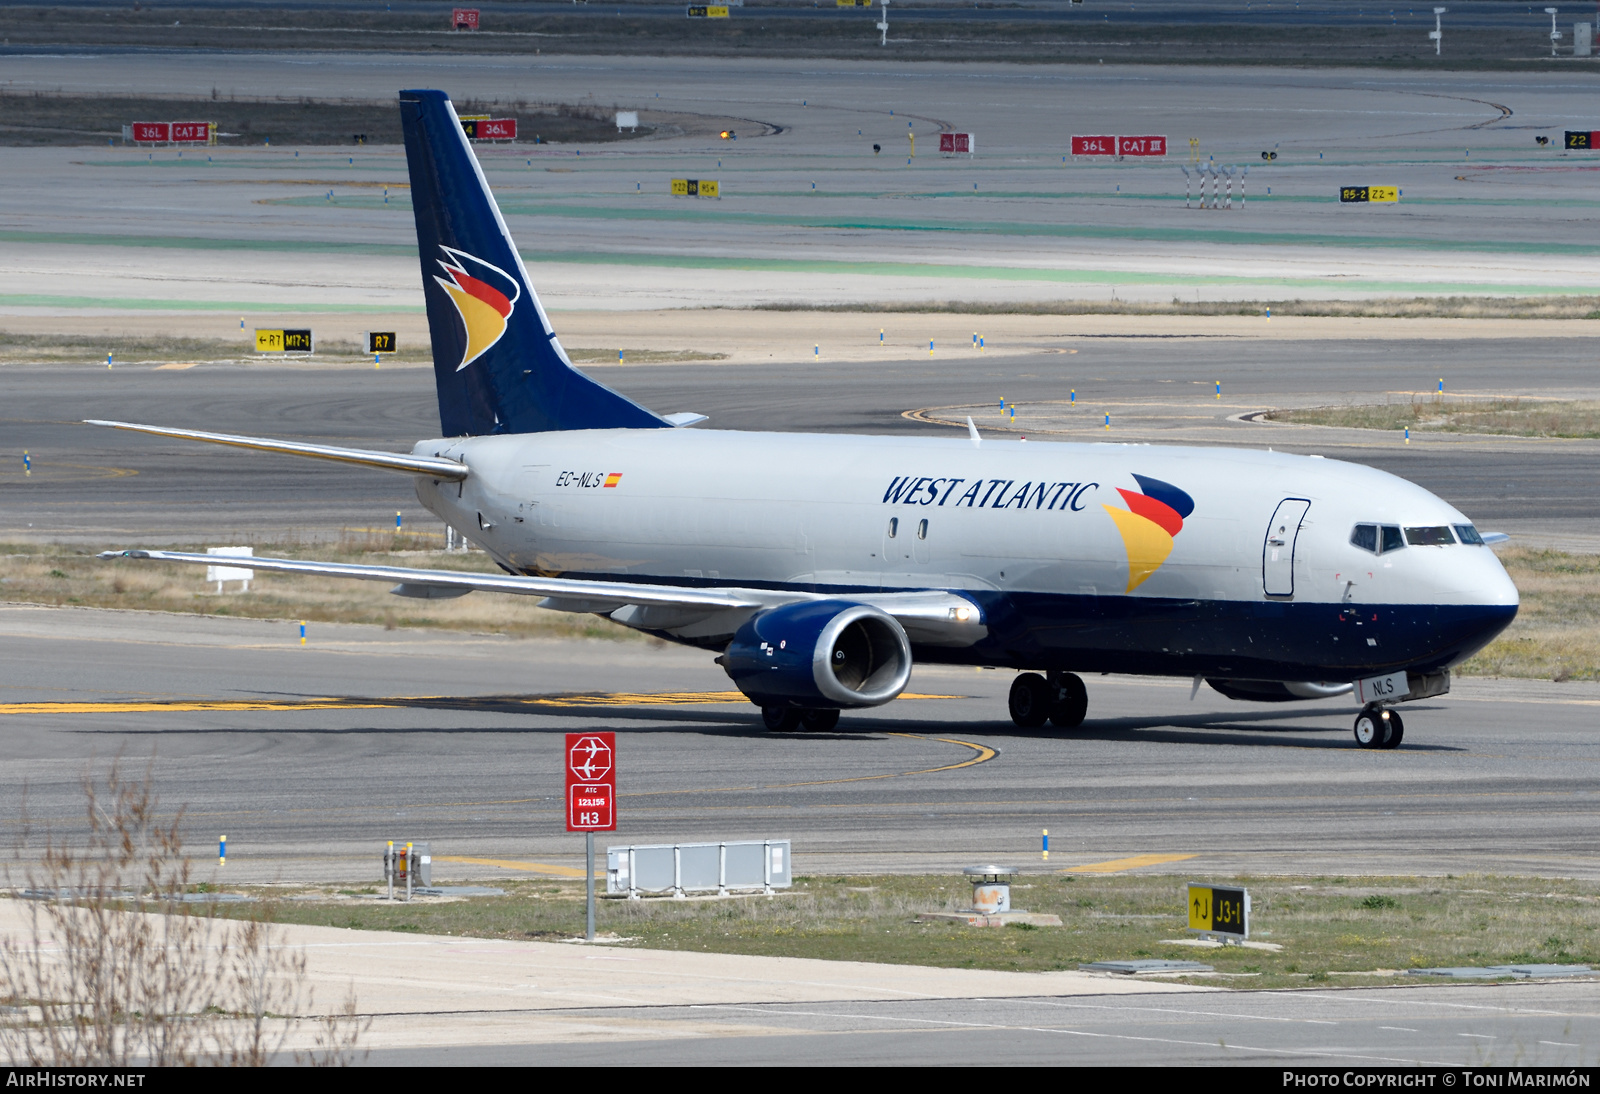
(591, 782)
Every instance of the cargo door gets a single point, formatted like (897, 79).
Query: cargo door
(1277, 553)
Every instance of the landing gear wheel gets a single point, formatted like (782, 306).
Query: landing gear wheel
(1031, 700)
(780, 718)
(1374, 727)
(819, 721)
(1397, 730)
(1073, 702)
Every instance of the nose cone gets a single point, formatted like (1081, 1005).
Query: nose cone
(1486, 603)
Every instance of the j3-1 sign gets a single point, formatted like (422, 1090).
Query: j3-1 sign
(591, 761)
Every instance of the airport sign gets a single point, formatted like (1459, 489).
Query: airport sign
(691, 188)
(591, 767)
(284, 341)
(1583, 138)
(1141, 146)
(1214, 909)
(1348, 194)
(1094, 146)
(380, 341)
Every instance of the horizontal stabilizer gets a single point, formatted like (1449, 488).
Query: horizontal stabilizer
(614, 592)
(430, 466)
(932, 616)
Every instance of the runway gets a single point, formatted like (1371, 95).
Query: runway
(100, 488)
(308, 758)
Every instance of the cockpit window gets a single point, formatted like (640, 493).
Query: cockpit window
(1438, 536)
(1467, 534)
(1379, 538)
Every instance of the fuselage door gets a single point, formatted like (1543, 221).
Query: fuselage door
(1277, 554)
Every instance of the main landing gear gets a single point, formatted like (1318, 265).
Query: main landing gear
(1379, 727)
(1035, 700)
(782, 718)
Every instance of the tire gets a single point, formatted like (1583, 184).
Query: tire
(1031, 700)
(780, 718)
(1397, 730)
(1073, 703)
(819, 721)
(1372, 729)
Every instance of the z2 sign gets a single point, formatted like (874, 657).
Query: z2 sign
(591, 766)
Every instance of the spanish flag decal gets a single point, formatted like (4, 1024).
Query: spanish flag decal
(1149, 525)
(613, 478)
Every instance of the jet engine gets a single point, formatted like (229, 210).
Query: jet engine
(819, 655)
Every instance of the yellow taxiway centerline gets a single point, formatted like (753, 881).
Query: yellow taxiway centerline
(618, 699)
(1118, 865)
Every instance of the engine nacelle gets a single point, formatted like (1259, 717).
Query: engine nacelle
(820, 654)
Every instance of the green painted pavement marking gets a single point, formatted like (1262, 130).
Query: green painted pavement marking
(1235, 237)
(135, 303)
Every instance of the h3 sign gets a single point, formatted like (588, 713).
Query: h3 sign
(591, 764)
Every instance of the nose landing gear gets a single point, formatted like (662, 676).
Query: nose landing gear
(1379, 727)
(1035, 700)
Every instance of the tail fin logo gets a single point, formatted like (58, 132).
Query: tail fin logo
(484, 296)
(1149, 525)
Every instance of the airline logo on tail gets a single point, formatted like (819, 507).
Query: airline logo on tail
(484, 296)
(1149, 525)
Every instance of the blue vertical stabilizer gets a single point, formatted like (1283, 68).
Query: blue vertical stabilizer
(499, 366)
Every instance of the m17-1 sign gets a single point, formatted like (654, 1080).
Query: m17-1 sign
(591, 760)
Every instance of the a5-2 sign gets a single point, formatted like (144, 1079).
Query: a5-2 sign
(1215, 910)
(1369, 193)
(591, 765)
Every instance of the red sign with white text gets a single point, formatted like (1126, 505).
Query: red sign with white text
(1094, 146)
(1141, 146)
(151, 132)
(498, 129)
(956, 142)
(591, 762)
(464, 18)
(191, 132)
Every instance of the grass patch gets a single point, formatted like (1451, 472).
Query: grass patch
(1510, 417)
(1327, 926)
(59, 576)
(1556, 634)
(41, 118)
(1416, 307)
(92, 349)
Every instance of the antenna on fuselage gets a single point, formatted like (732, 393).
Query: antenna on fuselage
(972, 431)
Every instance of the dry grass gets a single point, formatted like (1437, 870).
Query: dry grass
(1326, 925)
(1438, 414)
(60, 576)
(92, 349)
(1556, 634)
(1417, 307)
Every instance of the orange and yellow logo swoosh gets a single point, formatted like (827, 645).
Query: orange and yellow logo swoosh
(1149, 525)
(483, 298)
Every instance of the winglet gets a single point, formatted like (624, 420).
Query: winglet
(972, 431)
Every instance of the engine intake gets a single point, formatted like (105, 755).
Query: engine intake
(820, 654)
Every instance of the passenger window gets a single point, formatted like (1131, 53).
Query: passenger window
(1365, 537)
(894, 526)
(922, 529)
(1438, 536)
(1467, 534)
(1391, 538)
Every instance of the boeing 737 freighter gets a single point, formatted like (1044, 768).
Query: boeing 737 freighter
(819, 568)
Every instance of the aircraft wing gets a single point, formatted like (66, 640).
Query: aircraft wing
(933, 616)
(430, 466)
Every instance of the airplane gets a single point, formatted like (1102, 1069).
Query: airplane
(820, 568)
